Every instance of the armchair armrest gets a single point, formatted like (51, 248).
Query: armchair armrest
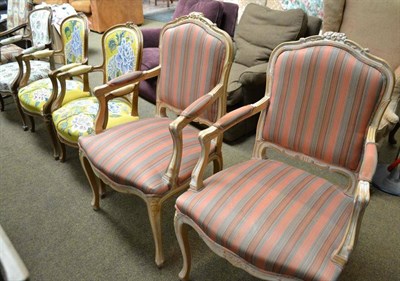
(33, 49)
(254, 75)
(26, 58)
(220, 126)
(119, 87)
(151, 37)
(369, 162)
(11, 40)
(361, 198)
(12, 30)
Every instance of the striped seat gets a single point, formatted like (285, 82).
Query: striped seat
(140, 153)
(325, 97)
(274, 216)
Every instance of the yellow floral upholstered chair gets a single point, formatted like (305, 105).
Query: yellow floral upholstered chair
(39, 21)
(36, 98)
(282, 219)
(122, 51)
(153, 157)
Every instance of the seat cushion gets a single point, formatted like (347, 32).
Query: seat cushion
(33, 96)
(137, 154)
(276, 217)
(9, 52)
(77, 118)
(9, 71)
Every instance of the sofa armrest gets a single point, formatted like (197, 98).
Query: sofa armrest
(151, 37)
(254, 75)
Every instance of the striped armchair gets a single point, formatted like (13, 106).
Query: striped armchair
(153, 158)
(324, 101)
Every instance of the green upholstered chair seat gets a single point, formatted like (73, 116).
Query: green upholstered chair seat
(33, 96)
(77, 118)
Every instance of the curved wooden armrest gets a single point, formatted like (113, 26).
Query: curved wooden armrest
(33, 49)
(38, 55)
(361, 199)
(76, 70)
(199, 105)
(11, 40)
(64, 68)
(12, 30)
(369, 162)
(221, 125)
(129, 78)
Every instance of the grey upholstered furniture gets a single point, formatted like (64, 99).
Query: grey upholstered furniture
(259, 31)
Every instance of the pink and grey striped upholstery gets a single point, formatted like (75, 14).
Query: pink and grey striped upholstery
(140, 153)
(311, 109)
(325, 98)
(200, 69)
(276, 217)
(153, 158)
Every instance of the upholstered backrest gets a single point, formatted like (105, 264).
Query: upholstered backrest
(322, 100)
(39, 23)
(17, 13)
(192, 59)
(221, 13)
(122, 48)
(74, 35)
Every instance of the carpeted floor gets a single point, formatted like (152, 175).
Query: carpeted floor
(45, 210)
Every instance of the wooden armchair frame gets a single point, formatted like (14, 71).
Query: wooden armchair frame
(191, 113)
(117, 87)
(16, 83)
(50, 55)
(358, 180)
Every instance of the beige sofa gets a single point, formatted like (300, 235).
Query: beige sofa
(374, 25)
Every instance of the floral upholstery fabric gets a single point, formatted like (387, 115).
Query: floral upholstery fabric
(39, 23)
(311, 7)
(121, 49)
(73, 33)
(9, 71)
(17, 13)
(33, 96)
(9, 52)
(77, 118)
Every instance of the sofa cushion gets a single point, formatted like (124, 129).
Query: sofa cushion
(211, 9)
(261, 29)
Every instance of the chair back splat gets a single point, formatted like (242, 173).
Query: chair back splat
(325, 97)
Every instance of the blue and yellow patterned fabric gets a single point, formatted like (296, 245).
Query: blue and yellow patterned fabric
(34, 96)
(121, 49)
(77, 118)
(73, 36)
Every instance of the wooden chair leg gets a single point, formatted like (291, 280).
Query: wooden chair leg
(154, 211)
(62, 152)
(181, 231)
(53, 137)
(20, 112)
(1, 103)
(92, 181)
(102, 189)
(32, 122)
